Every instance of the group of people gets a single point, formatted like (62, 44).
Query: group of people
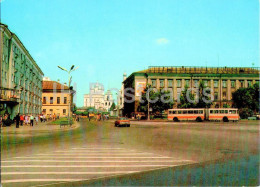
(26, 119)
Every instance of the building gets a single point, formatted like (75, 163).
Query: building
(97, 98)
(21, 77)
(56, 98)
(121, 98)
(222, 82)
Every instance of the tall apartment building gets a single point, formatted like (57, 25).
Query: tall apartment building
(222, 81)
(56, 98)
(21, 77)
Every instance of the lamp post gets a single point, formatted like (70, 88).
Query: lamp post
(70, 77)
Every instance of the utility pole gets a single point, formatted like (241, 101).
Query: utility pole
(70, 78)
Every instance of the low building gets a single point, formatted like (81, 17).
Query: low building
(20, 77)
(98, 99)
(222, 82)
(56, 98)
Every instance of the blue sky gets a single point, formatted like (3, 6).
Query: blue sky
(106, 38)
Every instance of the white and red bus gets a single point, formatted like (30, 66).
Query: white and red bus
(190, 114)
(222, 114)
(201, 114)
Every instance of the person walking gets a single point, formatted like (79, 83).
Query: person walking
(17, 120)
(31, 120)
(21, 120)
(26, 119)
(36, 119)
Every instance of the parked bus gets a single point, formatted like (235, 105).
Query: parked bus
(201, 114)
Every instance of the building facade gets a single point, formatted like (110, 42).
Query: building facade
(221, 81)
(21, 77)
(56, 98)
(98, 99)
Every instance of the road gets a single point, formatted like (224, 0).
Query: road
(98, 150)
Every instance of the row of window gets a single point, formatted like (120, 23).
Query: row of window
(51, 111)
(223, 111)
(205, 82)
(44, 101)
(185, 111)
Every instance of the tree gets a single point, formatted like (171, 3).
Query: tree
(113, 106)
(159, 101)
(204, 99)
(185, 101)
(247, 99)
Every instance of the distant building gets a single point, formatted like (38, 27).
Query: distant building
(97, 98)
(121, 98)
(20, 77)
(222, 81)
(56, 98)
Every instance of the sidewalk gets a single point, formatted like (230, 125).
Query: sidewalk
(46, 127)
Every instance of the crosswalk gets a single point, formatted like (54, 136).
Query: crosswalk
(80, 163)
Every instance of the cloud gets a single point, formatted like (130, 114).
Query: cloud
(162, 41)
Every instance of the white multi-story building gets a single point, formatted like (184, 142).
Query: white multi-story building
(97, 98)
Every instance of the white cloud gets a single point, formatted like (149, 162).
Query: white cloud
(162, 41)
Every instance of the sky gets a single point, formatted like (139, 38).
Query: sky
(107, 38)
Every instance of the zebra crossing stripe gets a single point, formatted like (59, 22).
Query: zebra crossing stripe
(39, 180)
(66, 173)
(78, 161)
(83, 166)
(91, 157)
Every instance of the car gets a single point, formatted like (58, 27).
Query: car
(122, 122)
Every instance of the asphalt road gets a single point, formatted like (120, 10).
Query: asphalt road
(100, 151)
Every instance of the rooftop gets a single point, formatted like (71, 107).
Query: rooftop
(51, 85)
(199, 70)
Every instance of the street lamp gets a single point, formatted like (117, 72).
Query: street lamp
(70, 78)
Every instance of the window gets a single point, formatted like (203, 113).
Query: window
(241, 83)
(196, 83)
(211, 111)
(173, 112)
(170, 83)
(216, 96)
(65, 100)
(205, 82)
(196, 111)
(187, 83)
(200, 111)
(190, 111)
(51, 100)
(184, 111)
(51, 110)
(44, 111)
(153, 82)
(233, 84)
(64, 111)
(178, 83)
(226, 111)
(44, 100)
(179, 112)
(58, 100)
(161, 83)
(249, 83)
(216, 111)
(215, 83)
(224, 83)
(224, 94)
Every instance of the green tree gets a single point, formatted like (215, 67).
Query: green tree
(184, 101)
(247, 99)
(113, 106)
(204, 99)
(159, 101)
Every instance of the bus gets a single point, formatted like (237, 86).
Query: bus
(190, 114)
(202, 114)
(222, 114)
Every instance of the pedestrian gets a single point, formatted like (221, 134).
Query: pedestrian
(26, 119)
(44, 118)
(36, 119)
(41, 118)
(17, 120)
(21, 120)
(1, 120)
(31, 120)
